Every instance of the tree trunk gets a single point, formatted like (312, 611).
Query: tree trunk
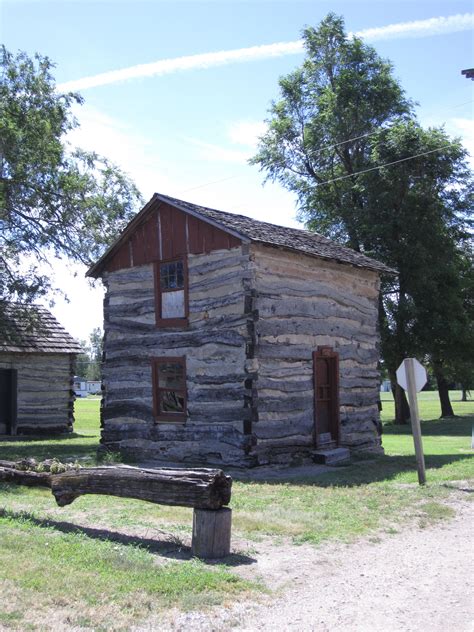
(443, 392)
(402, 409)
(464, 394)
(199, 488)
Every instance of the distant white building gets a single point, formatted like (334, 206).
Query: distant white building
(83, 388)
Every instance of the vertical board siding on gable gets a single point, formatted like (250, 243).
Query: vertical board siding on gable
(304, 303)
(144, 242)
(121, 259)
(168, 233)
(214, 346)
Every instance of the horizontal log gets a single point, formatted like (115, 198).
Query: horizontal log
(10, 474)
(209, 265)
(199, 488)
(139, 345)
(186, 453)
(315, 326)
(132, 277)
(206, 303)
(203, 489)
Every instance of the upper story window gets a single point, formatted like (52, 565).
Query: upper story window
(171, 287)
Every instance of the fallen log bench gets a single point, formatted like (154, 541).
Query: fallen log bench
(207, 491)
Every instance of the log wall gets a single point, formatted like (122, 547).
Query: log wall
(302, 303)
(45, 398)
(215, 344)
(256, 314)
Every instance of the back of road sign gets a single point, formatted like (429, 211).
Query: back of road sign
(419, 372)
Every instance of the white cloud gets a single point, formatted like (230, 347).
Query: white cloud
(82, 310)
(216, 153)
(417, 28)
(136, 154)
(246, 132)
(188, 62)
(420, 28)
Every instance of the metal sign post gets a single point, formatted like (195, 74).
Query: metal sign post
(411, 376)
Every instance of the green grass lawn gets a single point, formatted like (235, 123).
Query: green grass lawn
(106, 559)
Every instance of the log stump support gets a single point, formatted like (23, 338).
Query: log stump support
(205, 490)
(211, 533)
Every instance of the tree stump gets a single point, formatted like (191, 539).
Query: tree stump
(211, 533)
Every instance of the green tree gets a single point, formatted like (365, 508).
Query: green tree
(54, 201)
(95, 348)
(321, 127)
(341, 116)
(418, 223)
(89, 362)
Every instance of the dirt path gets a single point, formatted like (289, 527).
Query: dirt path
(416, 580)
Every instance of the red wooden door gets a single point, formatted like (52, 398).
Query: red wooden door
(326, 397)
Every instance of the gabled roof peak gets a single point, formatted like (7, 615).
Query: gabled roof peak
(251, 230)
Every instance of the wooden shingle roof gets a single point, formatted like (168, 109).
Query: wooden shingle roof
(304, 241)
(33, 329)
(250, 230)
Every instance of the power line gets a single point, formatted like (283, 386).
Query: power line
(343, 142)
(383, 129)
(387, 164)
(207, 184)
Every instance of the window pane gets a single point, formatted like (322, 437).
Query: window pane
(171, 402)
(171, 276)
(172, 304)
(164, 276)
(170, 375)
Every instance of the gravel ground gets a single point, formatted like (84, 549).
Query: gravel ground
(416, 580)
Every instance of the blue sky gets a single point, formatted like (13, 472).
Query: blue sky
(187, 127)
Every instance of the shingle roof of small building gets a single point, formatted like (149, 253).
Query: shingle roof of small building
(33, 329)
(305, 241)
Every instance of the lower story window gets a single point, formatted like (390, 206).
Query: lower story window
(169, 388)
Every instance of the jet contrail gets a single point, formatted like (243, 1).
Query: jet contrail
(417, 28)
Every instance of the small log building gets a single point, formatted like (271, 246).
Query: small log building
(231, 341)
(37, 358)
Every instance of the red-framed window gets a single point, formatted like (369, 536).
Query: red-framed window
(171, 293)
(169, 389)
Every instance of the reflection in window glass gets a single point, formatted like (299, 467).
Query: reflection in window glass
(170, 375)
(172, 276)
(172, 304)
(171, 402)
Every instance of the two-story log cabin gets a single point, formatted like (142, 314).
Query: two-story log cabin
(236, 342)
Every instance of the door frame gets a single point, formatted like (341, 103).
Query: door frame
(327, 353)
(13, 401)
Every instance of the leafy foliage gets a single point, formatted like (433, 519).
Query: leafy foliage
(89, 363)
(321, 127)
(339, 137)
(54, 201)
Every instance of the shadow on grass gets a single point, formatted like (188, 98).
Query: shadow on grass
(45, 448)
(446, 427)
(360, 473)
(168, 546)
(66, 436)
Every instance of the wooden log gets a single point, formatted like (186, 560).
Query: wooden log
(200, 488)
(211, 533)
(9, 474)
